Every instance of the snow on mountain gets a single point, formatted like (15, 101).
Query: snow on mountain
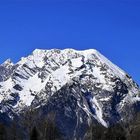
(109, 88)
(8, 63)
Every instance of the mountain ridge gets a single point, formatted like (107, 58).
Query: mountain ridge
(99, 90)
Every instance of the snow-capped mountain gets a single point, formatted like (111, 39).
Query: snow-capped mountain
(78, 85)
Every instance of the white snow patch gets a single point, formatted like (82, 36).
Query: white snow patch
(32, 85)
(98, 111)
(77, 62)
(97, 73)
(105, 99)
(60, 77)
(5, 88)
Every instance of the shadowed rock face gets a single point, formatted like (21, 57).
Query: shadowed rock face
(79, 86)
(6, 70)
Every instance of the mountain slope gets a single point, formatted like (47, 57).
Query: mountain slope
(79, 86)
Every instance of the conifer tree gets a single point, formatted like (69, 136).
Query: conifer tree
(2, 132)
(34, 134)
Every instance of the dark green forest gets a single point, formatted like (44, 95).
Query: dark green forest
(47, 129)
(31, 129)
(129, 131)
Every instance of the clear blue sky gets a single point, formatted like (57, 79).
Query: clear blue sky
(110, 26)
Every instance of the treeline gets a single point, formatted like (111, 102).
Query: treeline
(99, 132)
(31, 129)
(129, 131)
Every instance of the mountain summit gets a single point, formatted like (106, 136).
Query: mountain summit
(79, 86)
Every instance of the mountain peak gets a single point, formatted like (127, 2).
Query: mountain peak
(64, 50)
(8, 62)
(99, 89)
(38, 51)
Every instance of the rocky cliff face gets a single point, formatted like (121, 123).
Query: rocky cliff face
(79, 86)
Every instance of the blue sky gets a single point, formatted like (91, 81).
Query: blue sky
(110, 26)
